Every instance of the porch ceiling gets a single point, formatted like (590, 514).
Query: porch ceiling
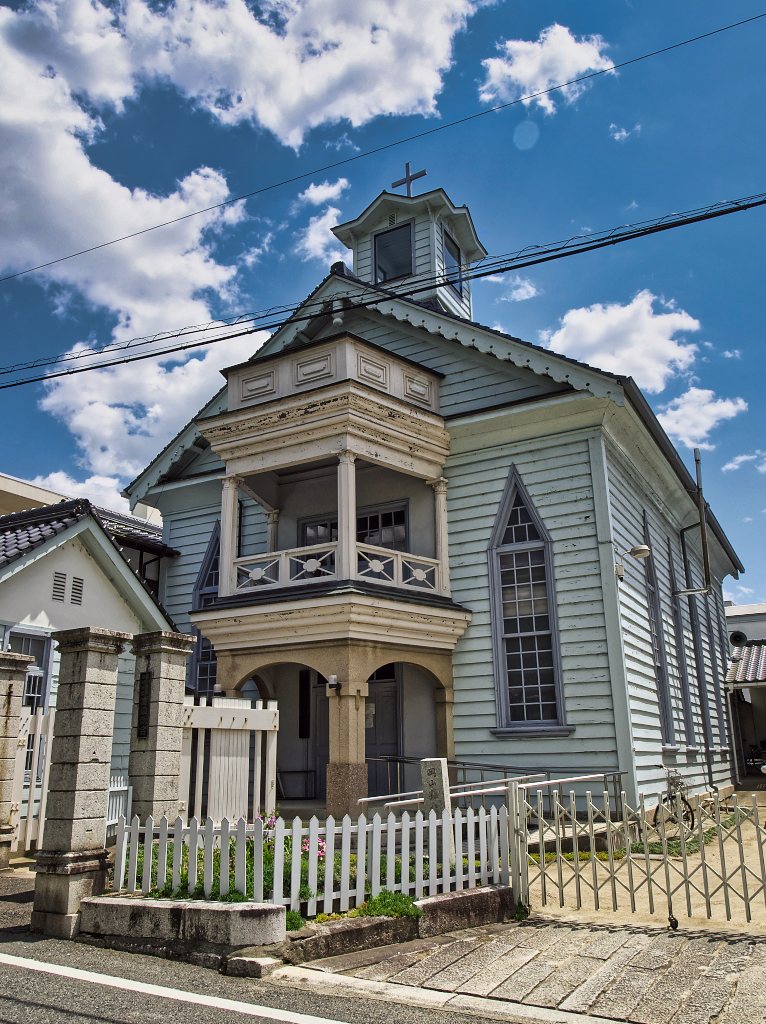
(345, 416)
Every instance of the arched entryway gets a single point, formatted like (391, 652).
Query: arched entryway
(349, 714)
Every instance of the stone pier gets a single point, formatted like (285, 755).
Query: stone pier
(13, 668)
(72, 863)
(155, 738)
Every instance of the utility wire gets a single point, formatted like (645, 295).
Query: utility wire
(344, 161)
(489, 265)
(526, 258)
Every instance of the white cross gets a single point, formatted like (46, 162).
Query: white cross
(408, 178)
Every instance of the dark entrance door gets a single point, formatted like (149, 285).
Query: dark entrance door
(382, 734)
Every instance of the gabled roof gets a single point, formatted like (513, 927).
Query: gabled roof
(341, 283)
(748, 663)
(22, 532)
(34, 532)
(433, 201)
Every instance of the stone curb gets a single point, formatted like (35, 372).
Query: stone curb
(485, 1008)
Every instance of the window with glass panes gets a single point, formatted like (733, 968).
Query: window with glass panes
(204, 664)
(393, 253)
(381, 527)
(527, 649)
(36, 681)
(453, 263)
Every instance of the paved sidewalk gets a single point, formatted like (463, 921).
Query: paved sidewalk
(642, 975)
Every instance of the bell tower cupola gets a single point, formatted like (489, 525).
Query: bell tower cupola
(419, 245)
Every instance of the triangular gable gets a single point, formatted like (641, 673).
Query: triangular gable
(470, 335)
(107, 557)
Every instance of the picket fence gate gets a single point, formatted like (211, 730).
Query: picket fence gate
(29, 798)
(434, 854)
(229, 758)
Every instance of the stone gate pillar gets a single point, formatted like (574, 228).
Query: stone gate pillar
(72, 863)
(346, 769)
(13, 669)
(155, 737)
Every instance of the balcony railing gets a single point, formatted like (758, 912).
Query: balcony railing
(303, 566)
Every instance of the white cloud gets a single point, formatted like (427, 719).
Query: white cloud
(520, 289)
(747, 519)
(621, 134)
(631, 339)
(288, 67)
(324, 192)
(302, 63)
(741, 460)
(101, 490)
(527, 67)
(692, 416)
(343, 141)
(517, 288)
(317, 242)
(255, 253)
(731, 353)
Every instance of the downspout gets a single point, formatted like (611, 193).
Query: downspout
(690, 593)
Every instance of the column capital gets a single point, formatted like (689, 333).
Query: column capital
(346, 456)
(163, 641)
(10, 662)
(91, 638)
(272, 515)
(439, 484)
(231, 481)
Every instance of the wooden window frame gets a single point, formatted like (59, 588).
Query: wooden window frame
(389, 506)
(385, 231)
(505, 727)
(456, 286)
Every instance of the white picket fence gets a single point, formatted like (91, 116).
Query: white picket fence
(415, 855)
(29, 800)
(229, 758)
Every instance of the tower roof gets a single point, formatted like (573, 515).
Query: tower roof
(433, 202)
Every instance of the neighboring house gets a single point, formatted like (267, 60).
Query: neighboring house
(68, 565)
(411, 530)
(746, 680)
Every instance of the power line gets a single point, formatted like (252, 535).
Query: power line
(483, 268)
(344, 161)
(527, 257)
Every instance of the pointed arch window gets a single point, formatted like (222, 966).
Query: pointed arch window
(204, 668)
(527, 664)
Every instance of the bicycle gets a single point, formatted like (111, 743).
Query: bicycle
(668, 816)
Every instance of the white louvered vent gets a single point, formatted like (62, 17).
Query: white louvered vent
(391, 219)
(59, 586)
(75, 594)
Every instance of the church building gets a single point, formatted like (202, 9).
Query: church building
(423, 537)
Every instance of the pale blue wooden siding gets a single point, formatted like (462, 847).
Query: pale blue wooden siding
(473, 381)
(252, 528)
(630, 495)
(189, 532)
(556, 473)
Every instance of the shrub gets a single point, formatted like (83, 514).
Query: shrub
(293, 921)
(387, 904)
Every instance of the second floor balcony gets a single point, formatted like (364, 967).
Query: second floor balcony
(347, 471)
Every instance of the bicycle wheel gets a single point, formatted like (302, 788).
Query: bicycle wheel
(666, 818)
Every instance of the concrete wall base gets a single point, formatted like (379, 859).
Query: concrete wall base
(185, 921)
(58, 926)
(62, 881)
(6, 838)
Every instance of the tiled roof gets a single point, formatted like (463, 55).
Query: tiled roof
(748, 663)
(22, 532)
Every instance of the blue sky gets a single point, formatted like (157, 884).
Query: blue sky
(116, 117)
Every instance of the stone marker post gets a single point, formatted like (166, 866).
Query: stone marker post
(155, 737)
(13, 669)
(72, 863)
(435, 781)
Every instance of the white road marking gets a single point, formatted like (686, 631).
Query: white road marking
(179, 995)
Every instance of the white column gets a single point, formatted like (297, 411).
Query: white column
(440, 532)
(272, 527)
(229, 516)
(346, 557)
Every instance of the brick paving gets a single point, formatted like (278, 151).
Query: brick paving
(636, 974)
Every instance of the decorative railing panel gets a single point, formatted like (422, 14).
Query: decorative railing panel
(397, 568)
(283, 568)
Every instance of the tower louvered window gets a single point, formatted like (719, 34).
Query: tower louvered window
(524, 615)
(58, 591)
(78, 586)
